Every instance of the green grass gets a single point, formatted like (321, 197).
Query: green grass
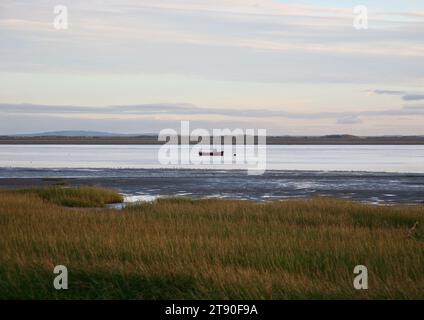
(76, 197)
(209, 249)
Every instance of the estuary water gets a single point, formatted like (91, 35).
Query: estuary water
(372, 174)
(368, 158)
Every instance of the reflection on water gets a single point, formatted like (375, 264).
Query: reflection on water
(390, 158)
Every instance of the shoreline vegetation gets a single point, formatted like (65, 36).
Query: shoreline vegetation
(205, 249)
(271, 140)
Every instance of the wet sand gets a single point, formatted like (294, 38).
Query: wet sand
(142, 184)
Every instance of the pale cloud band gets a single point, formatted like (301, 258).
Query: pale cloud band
(156, 110)
(406, 96)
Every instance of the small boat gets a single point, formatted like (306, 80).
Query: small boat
(213, 153)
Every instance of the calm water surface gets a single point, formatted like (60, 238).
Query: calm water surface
(372, 174)
(391, 158)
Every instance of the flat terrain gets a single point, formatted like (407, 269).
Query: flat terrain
(271, 140)
(206, 249)
(381, 188)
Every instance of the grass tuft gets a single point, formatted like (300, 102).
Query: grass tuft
(76, 197)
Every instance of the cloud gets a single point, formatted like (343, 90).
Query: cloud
(189, 110)
(249, 40)
(27, 118)
(413, 97)
(353, 119)
(389, 92)
(406, 96)
(414, 107)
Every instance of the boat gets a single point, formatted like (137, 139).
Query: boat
(213, 153)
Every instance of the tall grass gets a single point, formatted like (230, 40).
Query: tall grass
(76, 197)
(210, 249)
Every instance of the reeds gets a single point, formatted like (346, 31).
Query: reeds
(209, 249)
(76, 197)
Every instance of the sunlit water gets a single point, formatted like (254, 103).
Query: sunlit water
(391, 158)
(374, 174)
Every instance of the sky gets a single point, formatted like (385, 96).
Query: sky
(140, 66)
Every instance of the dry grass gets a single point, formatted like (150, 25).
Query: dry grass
(76, 197)
(210, 249)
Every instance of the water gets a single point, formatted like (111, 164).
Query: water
(387, 158)
(372, 174)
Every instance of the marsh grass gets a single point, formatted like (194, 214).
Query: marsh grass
(209, 249)
(76, 197)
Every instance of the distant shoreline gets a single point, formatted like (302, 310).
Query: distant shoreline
(271, 140)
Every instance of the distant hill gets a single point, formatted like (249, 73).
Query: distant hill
(340, 136)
